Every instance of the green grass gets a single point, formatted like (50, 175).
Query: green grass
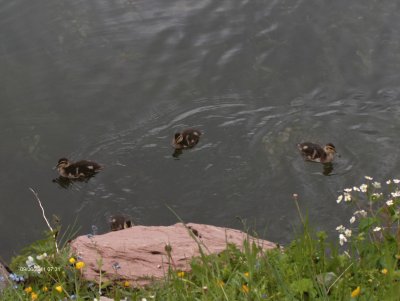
(311, 267)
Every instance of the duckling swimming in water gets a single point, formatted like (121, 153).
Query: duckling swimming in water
(187, 139)
(316, 153)
(119, 222)
(77, 170)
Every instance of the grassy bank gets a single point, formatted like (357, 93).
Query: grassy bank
(362, 264)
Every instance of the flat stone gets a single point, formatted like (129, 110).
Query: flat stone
(140, 254)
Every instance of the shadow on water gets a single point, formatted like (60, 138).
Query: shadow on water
(177, 153)
(68, 183)
(327, 169)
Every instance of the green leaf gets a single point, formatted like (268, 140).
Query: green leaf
(366, 223)
(322, 236)
(304, 285)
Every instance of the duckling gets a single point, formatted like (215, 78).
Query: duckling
(78, 170)
(119, 222)
(187, 139)
(316, 153)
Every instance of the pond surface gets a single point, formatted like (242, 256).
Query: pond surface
(112, 81)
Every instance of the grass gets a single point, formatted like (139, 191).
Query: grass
(362, 265)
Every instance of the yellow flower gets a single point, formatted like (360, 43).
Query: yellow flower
(28, 289)
(245, 288)
(127, 284)
(247, 274)
(220, 283)
(45, 289)
(79, 265)
(59, 288)
(384, 271)
(34, 296)
(72, 260)
(181, 274)
(356, 292)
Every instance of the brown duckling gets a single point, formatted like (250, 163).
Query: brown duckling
(77, 170)
(119, 222)
(316, 153)
(187, 139)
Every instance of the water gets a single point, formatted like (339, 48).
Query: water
(112, 81)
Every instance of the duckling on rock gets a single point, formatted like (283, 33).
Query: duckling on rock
(316, 153)
(187, 139)
(78, 170)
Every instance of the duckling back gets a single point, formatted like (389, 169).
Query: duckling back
(311, 151)
(187, 139)
(80, 169)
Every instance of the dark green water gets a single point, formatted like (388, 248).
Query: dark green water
(112, 81)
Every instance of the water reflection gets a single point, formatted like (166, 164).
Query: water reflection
(68, 183)
(327, 169)
(177, 153)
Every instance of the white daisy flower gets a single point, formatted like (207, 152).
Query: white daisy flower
(42, 256)
(347, 197)
(352, 220)
(363, 213)
(377, 194)
(340, 229)
(397, 181)
(364, 187)
(395, 194)
(389, 203)
(376, 184)
(377, 229)
(342, 239)
(388, 182)
(347, 232)
(368, 178)
(355, 188)
(348, 189)
(339, 199)
(30, 262)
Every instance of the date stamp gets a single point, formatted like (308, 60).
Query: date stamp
(39, 269)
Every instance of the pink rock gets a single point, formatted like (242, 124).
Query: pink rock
(139, 254)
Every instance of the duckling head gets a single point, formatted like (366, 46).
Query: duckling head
(330, 149)
(62, 163)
